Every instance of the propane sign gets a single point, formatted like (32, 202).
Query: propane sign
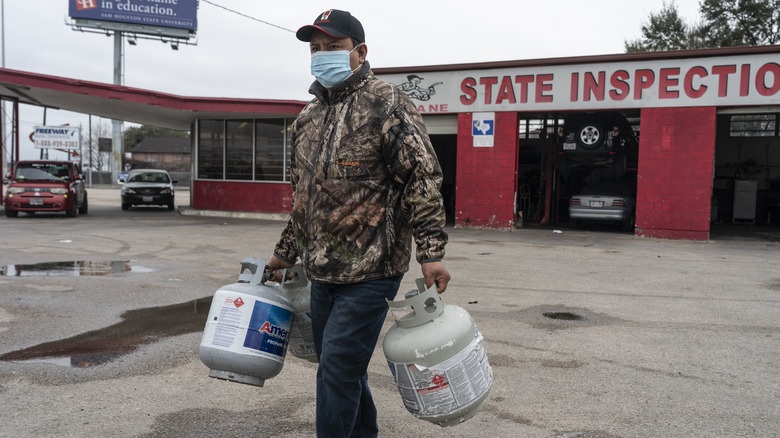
(59, 137)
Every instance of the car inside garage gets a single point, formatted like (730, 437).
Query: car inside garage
(548, 173)
(746, 177)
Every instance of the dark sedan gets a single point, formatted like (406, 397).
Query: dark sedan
(147, 187)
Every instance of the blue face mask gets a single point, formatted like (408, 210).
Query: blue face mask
(331, 67)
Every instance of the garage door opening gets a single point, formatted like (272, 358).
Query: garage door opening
(746, 185)
(536, 135)
(446, 147)
(597, 156)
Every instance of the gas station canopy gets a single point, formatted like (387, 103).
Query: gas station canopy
(133, 104)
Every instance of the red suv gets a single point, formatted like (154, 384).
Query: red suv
(46, 186)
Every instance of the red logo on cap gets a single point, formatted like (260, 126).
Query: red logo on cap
(326, 15)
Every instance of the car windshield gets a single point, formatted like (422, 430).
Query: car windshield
(43, 171)
(149, 177)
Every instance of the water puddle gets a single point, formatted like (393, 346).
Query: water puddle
(563, 316)
(71, 269)
(138, 327)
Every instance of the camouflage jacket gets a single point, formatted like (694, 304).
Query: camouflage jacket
(365, 181)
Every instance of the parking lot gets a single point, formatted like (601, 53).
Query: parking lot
(590, 333)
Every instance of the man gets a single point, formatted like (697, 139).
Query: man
(365, 181)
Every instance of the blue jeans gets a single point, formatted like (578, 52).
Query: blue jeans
(347, 319)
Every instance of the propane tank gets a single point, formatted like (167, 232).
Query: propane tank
(437, 359)
(248, 327)
(298, 291)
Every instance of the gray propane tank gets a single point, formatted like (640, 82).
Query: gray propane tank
(248, 327)
(437, 359)
(298, 291)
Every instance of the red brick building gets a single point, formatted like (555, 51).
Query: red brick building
(691, 109)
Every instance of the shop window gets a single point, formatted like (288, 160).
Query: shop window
(272, 150)
(211, 152)
(244, 150)
(238, 150)
(536, 128)
(753, 125)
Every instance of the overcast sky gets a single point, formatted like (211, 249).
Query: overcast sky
(236, 56)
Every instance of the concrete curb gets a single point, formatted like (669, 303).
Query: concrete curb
(186, 210)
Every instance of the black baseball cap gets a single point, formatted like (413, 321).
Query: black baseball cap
(336, 23)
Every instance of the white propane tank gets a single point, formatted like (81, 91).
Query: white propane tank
(437, 359)
(298, 291)
(248, 327)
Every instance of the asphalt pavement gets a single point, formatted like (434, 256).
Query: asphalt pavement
(590, 333)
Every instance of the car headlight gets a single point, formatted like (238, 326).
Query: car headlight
(16, 190)
(165, 191)
(59, 191)
(127, 190)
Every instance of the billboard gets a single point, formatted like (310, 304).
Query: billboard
(177, 18)
(59, 137)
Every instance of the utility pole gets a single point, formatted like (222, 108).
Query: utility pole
(3, 130)
(91, 163)
(116, 146)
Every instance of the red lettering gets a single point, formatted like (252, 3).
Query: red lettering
(668, 78)
(575, 86)
(488, 82)
(421, 109)
(524, 80)
(469, 92)
(543, 83)
(444, 107)
(761, 82)
(688, 87)
(644, 79)
(621, 87)
(744, 80)
(723, 72)
(506, 91)
(592, 86)
(266, 328)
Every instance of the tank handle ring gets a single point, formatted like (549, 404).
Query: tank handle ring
(298, 278)
(426, 306)
(255, 275)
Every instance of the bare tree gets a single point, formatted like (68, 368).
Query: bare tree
(92, 155)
